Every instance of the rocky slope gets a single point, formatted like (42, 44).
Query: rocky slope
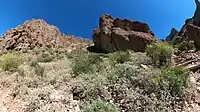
(37, 33)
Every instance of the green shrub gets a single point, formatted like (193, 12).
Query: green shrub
(86, 63)
(39, 71)
(76, 53)
(45, 57)
(184, 46)
(135, 84)
(173, 79)
(119, 57)
(89, 86)
(10, 62)
(160, 53)
(99, 106)
(121, 72)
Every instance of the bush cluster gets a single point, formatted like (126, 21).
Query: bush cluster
(10, 62)
(173, 80)
(160, 53)
(99, 106)
(86, 64)
(45, 57)
(119, 57)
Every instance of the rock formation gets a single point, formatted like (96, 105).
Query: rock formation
(197, 14)
(190, 30)
(35, 34)
(116, 34)
(172, 34)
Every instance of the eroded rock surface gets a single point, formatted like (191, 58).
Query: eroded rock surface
(116, 34)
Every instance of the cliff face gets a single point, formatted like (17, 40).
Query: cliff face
(172, 34)
(116, 34)
(190, 30)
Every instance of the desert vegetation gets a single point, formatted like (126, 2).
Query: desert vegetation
(95, 82)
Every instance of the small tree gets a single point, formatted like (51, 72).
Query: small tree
(160, 53)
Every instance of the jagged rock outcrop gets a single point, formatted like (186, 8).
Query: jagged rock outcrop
(37, 33)
(172, 34)
(190, 30)
(116, 34)
(197, 14)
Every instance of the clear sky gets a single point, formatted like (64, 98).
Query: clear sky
(80, 17)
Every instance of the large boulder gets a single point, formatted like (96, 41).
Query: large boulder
(116, 34)
(37, 33)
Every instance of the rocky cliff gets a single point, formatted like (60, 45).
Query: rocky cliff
(190, 30)
(172, 34)
(116, 34)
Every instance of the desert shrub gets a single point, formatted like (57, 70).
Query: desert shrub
(86, 63)
(45, 57)
(184, 46)
(133, 89)
(160, 53)
(56, 53)
(99, 106)
(119, 57)
(10, 62)
(173, 80)
(39, 71)
(121, 72)
(140, 58)
(88, 86)
(76, 53)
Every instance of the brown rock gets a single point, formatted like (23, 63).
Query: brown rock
(35, 34)
(193, 34)
(116, 34)
(172, 34)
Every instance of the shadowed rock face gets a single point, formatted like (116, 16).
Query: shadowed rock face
(116, 34)
(197, 14)
(190, 30)
(194, 34)
(35, 34)
(172, 34)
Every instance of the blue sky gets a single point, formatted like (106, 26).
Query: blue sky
(80, 17)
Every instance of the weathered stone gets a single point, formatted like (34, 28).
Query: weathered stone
(116, 34)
